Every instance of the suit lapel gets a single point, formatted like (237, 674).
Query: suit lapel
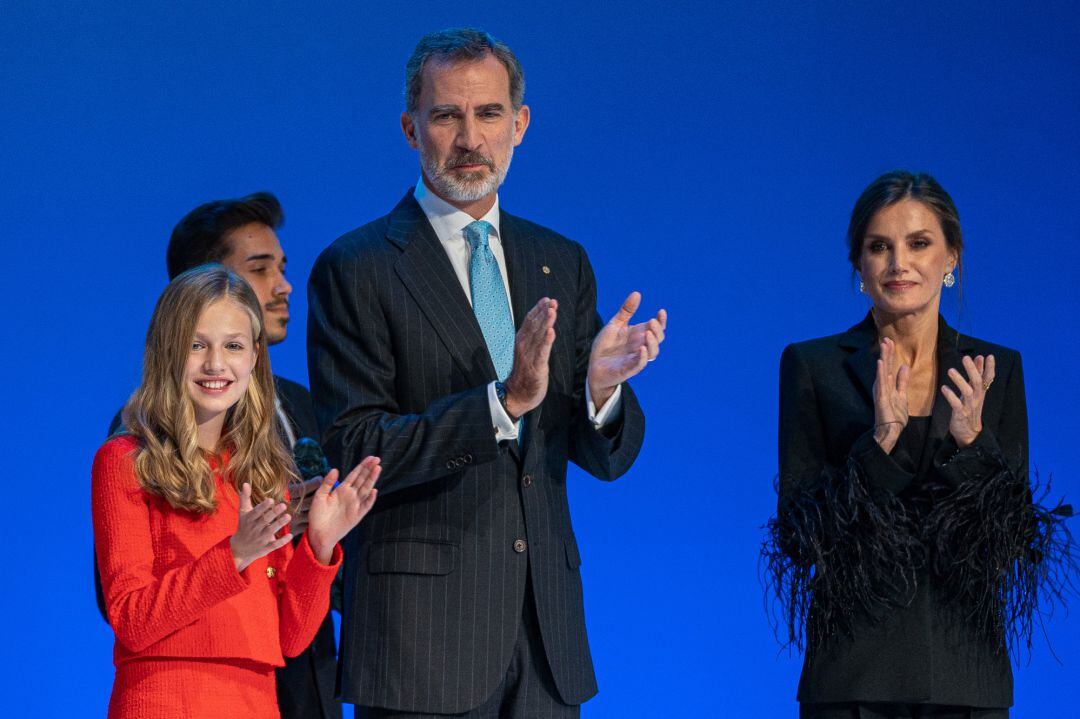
(519, 250)
(950, 348)
(950, 353)
(427, 273)
(862, 362)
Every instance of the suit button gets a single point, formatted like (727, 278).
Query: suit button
(519, 545)
(468, 459)
(270, 572)
(526, 481)
(449, 464)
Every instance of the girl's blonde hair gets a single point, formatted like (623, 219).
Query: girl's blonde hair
(169, 462)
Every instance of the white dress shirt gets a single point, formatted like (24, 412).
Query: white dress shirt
(449, 224)
(285, 424)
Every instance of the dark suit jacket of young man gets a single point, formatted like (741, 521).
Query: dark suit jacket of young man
(922, 654)
(305, 685)
(435, 577)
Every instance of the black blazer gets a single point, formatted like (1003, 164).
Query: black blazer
(296, 402)
(884, 560)
(305, 685)
(435, 576)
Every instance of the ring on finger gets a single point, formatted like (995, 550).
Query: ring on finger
(986, 385)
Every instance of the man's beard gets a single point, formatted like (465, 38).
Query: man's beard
(275, 327)
(276, 331)
(470, 187)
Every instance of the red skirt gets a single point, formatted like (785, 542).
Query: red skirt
(193, 689)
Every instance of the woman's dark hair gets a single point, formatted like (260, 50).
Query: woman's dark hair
(892, 187)
(199, 238)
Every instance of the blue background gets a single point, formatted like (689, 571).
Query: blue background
(707, 154)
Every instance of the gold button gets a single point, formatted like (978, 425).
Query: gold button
(546, 269)
(270, 572)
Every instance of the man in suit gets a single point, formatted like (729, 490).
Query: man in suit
(461, 344)
(240, 234)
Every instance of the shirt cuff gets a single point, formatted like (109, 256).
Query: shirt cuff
(610, 412)
(505, 428)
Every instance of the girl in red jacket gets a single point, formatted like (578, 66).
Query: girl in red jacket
(204, 590)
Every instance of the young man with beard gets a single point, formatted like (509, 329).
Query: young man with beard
(461, 344)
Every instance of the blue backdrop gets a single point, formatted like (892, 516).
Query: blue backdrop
(707, 154)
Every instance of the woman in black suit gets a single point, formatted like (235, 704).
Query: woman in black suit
(907, 550)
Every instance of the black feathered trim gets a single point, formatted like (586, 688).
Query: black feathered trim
(839, 550)
(997, 550)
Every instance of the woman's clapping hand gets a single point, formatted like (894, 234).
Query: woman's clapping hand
(257, 529)
(336, 510)
(890, 397)
(967, 400)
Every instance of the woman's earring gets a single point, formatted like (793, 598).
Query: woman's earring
(862, 287)
(950, 279)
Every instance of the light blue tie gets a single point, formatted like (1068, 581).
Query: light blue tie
(489, 299)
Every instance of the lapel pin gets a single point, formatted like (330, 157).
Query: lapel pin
(546, 269)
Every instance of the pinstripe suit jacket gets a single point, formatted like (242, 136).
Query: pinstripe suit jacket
(434, 584)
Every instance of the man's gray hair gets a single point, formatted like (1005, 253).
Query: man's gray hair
(458, 44)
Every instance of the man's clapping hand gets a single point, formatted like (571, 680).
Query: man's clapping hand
(621, 349)
(619, 352)
(528, 381)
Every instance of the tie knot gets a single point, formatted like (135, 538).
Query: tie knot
(476, 234)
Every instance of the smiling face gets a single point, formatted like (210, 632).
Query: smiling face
(221, 357)
(256, 255)
(465, 129)
(904, 259)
